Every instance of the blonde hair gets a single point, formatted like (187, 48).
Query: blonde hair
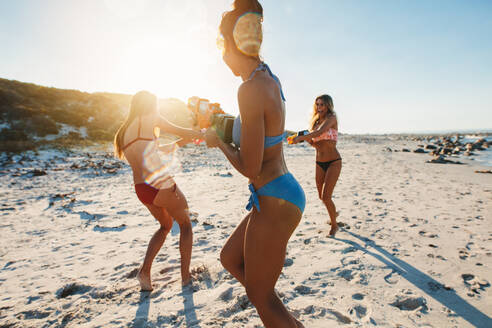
(328, 101)
(143, 102)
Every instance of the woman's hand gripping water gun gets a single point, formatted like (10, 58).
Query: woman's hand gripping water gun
(297, 137)
(202, 111)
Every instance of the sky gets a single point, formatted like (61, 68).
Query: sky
(391, 66)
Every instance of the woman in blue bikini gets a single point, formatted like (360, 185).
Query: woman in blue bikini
(255, 252)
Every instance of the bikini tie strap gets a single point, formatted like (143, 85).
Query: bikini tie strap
(276, 80)
(264, 67)
(253, 199)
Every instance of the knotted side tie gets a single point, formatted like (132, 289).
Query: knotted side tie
(253, 199)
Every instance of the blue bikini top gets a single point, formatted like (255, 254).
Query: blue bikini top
(236, 130)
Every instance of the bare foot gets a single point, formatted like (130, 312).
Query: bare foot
(333, 230)
(186, 281)
(145, 282)
(334, 227)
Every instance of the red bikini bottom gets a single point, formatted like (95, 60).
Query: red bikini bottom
(146, 193)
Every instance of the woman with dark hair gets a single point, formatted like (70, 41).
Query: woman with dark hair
(323, 137)
(136, 141)
(255, 252)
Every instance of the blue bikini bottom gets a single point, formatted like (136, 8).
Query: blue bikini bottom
(284, 187)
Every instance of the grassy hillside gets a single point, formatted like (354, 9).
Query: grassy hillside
(29, 113)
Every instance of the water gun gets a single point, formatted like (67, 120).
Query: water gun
(290, 139)
(206, 114)
(203, 111)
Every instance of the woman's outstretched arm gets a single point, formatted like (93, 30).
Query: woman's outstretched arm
(327, 124)
(185, 133)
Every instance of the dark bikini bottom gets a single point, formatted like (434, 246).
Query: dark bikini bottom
(326, 165)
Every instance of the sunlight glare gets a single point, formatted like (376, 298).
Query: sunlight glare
(160, 165)
(126, 9)
(175, 58)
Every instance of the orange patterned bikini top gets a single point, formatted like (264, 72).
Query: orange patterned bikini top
(331, 134)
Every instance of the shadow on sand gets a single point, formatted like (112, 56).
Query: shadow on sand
(189, 307)
(430, 286)
(142, 315)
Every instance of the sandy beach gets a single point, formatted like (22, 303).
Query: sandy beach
(415, 250)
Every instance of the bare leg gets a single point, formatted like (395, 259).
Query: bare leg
(267, 234)
(232, 254)
(185, 245)
(320, 181)
(331, 178)
(175, 203)
(155, 244)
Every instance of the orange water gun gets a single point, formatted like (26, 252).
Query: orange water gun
(290, 139)
(203, 111)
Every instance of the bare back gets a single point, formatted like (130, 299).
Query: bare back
(139, 153)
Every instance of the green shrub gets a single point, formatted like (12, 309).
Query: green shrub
(13, 135)
(43, 125)
(100, 134)
(16, 146)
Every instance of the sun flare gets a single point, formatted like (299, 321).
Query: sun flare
(174, 54)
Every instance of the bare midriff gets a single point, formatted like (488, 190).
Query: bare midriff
(273, 166)
(326, 150)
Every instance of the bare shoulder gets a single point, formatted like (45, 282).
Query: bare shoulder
(331, 121)
(250, 97)
(328, 123)
(251, 88)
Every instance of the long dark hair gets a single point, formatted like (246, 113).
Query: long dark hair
(143, 102)
(328, 101)
(230, 18)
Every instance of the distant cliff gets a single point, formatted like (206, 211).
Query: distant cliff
(32, 115)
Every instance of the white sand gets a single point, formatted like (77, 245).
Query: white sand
(417, 250)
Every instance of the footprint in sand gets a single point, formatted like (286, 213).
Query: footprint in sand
(406, 303)
(354, 275)
(463, 254)
(358, 296)
(359, 311)
(288, 262)
(242, 303)
(474, 284)
(350, 260)
(436, 286)
(201, 274)
(72, 289)
(392, 278)
(425, 234)
(32, 314)
(226, 295)
(340, 317)
(100, 228)
(305, 290)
